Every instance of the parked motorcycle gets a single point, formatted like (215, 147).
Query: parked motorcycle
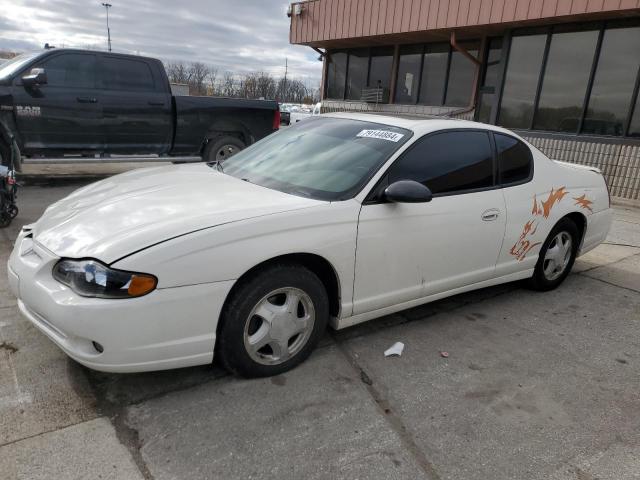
(8, 190)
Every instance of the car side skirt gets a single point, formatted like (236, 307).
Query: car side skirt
(340, 323)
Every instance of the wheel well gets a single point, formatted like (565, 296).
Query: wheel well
(581, 222)
(317, 264)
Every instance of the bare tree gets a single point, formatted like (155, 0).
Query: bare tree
(203, 79)
(211, 81)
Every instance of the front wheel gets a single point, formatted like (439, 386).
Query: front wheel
(272, 321)
(557, 255)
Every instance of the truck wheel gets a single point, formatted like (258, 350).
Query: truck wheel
(220, 148)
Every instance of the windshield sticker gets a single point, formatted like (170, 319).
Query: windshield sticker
(381, 134)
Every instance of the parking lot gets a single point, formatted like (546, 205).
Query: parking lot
(535, 386)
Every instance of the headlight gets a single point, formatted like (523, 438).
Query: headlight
(91, 278)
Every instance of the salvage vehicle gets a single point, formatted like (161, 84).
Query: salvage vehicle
(336, 220)
(81, 102)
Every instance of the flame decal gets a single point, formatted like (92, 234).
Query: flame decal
(554, 197)
(584, 202)
(540, 209)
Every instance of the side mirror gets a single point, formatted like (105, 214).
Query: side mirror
(37, 76)
(407, 191)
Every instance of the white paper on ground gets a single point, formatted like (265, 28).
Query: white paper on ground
(395, 349)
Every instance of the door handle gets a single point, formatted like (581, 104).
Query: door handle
(87, 100)
(156, 104)
(490, 215)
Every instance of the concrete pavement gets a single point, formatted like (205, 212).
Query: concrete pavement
(536, 385)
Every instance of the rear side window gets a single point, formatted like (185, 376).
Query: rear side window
(515, 161)
(71, 70)
(126, 74)
(448, 162)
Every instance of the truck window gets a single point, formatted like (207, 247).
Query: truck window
(126, 74)
(71, 70)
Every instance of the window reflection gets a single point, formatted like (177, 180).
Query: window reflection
(357, 73)
(611, 94)
(434, 74)
(521, 80)
(461, 76)
(565, 81)
(336, 74)
(408, 74)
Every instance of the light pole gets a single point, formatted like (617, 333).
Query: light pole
(107, 6)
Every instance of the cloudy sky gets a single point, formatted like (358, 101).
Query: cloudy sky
(234, 35)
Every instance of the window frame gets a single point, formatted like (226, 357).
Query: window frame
(497, 160)
(373, 196)
(102, 85)
(45, 59)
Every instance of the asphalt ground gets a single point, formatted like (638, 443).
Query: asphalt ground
(535, 386)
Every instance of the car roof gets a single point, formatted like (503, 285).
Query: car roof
(419, 124)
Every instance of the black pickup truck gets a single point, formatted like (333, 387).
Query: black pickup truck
(65, 102)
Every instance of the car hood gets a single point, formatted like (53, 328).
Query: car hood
(129, 212)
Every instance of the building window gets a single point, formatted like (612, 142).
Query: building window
(487, 91)
(565, 81)
(434, 74)
(634, 128)
(612, 91)
(336, 75)
(461, 76)
(380, 67)
(575, 81)
(521, 81)
(409, 74)
(357, 69)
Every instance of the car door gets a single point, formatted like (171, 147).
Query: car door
(516, 170)
(64, 114)
(136, 106)
(406, 251)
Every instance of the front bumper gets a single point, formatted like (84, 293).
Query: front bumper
(168, 328)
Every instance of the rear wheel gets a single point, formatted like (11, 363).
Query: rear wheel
(220, 148)
(273, 321)
(557, 255)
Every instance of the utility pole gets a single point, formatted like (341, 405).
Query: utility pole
(284, 82)
(107, 6)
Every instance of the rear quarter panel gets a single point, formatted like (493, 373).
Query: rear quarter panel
(534, 208)
(199, 118)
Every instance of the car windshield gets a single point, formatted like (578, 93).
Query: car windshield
(12, 66)
(322, 158)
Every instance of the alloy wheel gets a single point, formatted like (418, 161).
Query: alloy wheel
(279, 326)
(557, 256)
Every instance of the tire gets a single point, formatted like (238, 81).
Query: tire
(550, 272)
(221, 148)
(5, 153)
(244, 321)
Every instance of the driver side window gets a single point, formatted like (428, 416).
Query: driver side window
(71, 70)
(448, 162)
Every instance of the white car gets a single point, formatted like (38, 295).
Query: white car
(297, 114)
(337, 220)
